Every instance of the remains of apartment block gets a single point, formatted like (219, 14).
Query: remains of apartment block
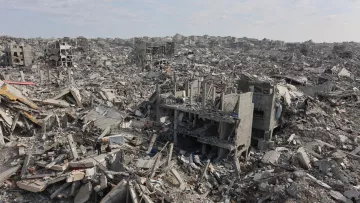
(147, 51)
(59, 54)
(17, 55)
(207, 119)
(266, 108)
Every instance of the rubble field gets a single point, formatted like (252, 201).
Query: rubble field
(89, 129)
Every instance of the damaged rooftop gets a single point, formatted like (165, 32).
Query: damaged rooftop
(179, 119)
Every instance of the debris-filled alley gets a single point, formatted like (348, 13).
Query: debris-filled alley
(179, 119)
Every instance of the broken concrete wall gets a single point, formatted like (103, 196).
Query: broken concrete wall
(264, 111)
(230, 101)
(243, 132)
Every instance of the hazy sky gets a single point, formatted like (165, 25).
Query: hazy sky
(289, 20)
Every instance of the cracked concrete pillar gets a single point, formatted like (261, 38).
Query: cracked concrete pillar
(158, 104)
(203, 99)
(175, 126)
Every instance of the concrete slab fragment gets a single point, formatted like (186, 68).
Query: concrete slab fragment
(55, 102)
(82, 164)
(142, 163)
(303, 158)
(8, 173)
(75, 176)
(72, 147)
(84, 193)
(32, 185)
(117, 194)
(179, 178)
(339, 197)
(271, 157)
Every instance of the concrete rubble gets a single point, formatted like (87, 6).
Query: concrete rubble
(179, 119)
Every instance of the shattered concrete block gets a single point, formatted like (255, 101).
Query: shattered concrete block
(75, 176)
(271, 157)
(84, 193)
(65, 185)
(292, 190)
(32, 185)
(60, 167)
(291, 138)
(54, 102)
(179, 178)
(142, 163)
(72, 147)
(303, 158)
(90, 172)
(339, 197)
(82, 164)
(352, 194)
(117, 194)
(75, 185)
(6, 174)
(76, 94)
(21, 151)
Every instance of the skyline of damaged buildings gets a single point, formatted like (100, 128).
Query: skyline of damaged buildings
(184, 131)
(17, 55)
(227, 120)
(59, 53)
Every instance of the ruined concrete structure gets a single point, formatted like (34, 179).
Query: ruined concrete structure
(264, 99)
(147, 51)
(59, 54)
(218, 122)
(17, 55)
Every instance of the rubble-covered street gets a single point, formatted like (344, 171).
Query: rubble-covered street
(179, 119)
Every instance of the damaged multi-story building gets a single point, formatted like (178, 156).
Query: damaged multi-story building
(146, 52)
(59, 54)
(267, 109)
(205, 119)
(17, 55)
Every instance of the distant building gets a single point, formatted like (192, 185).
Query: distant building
(17, 55)
(265, 108)
(59, 54)
(147, 51)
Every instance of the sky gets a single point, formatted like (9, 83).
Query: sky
(287, 20)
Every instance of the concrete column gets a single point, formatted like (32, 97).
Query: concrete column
(171, 147)
(22, 76)
(41, 77)
(175, 126)
(158, 104)
(237, 164)
(49, 76)
(152, 142)
(214, 94)
(191, 94)
(203, 99)
(221, 151)
(222, 101)
(69, 76)
(199, 85)
(187, 88)
(238, 110)
(174, 83)
(2, 142)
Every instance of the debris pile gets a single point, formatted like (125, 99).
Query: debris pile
(88, 131)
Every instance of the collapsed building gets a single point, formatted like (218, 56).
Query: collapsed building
(17, 55)
(59, 54)
(146, 52)
(215, 122)
(265, 116)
